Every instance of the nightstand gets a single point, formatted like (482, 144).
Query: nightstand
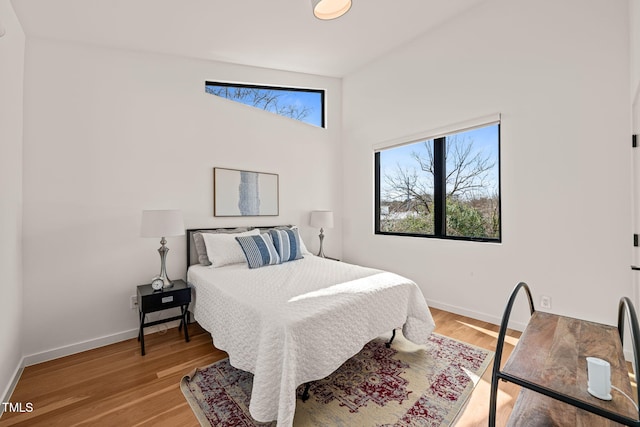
(149, 301)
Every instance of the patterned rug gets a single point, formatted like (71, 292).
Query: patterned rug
(405, 385)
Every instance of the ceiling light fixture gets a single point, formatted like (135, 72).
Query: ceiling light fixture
(330, 9)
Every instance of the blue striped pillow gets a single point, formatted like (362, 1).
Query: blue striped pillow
(259, 250)
(287, 243)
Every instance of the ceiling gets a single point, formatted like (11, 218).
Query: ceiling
(279, 34)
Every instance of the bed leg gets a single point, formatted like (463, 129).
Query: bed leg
(305, 393)
(388, 343)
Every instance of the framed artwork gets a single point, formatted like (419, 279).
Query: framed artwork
(244, 193)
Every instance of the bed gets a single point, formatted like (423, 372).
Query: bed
(296, 321)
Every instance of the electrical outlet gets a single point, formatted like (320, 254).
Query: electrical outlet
(133, 303)
(545, 302)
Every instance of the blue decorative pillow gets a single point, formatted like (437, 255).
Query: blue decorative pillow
(287, 243)
(259, 250)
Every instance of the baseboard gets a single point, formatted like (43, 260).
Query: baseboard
(6, 396)
(628, 356)
(68, 350)
(518, 326)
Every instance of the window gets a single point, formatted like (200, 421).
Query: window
(305, 105)
(445, 187)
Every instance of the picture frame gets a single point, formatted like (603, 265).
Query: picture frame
(245, 193)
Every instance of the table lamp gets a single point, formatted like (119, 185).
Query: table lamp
(322, 220)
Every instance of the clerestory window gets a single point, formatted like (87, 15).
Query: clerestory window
(305, 105)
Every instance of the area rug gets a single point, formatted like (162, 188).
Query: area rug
(405, 385)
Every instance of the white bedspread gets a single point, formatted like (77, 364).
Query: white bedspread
(299, 321)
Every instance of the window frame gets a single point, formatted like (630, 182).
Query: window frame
(439, 185)
(321, 92)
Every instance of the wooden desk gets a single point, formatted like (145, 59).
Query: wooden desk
(549, 363)
(552, 354)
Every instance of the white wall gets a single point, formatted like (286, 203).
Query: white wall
(634, 20)
(11, 86)
(109, 133)
(11, 83)
(559, 74)
(634, 17)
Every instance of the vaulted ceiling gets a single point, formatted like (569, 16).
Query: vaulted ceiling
(279, 34)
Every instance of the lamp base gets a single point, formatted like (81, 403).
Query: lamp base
(167, 283)
(321, 251)
(163, 264)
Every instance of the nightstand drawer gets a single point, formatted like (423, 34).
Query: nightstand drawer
(149, 301)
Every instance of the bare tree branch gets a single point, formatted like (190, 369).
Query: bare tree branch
(409, 189)
(265, 99)
(467, 173)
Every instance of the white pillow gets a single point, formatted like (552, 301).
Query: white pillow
(223, 249)
(303, 247)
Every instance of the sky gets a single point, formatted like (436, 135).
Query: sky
(484, 139)
(311, 99)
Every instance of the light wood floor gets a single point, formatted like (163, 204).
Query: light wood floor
(115, 386)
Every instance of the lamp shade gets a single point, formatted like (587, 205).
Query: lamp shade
(162, 223)
(330, 9)
(321, 219)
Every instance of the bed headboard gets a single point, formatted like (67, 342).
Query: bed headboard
(192, 255)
